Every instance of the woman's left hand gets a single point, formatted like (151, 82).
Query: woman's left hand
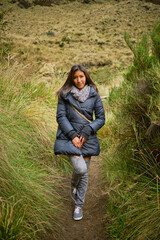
(77, 143)
(82, 139)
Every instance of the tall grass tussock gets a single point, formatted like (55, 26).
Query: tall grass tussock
(132, 137)
(30, 202)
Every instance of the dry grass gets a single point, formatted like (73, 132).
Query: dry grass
(90, 34)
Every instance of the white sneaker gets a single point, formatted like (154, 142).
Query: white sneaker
(77, 215)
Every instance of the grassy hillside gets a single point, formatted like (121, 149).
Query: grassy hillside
(91, 34)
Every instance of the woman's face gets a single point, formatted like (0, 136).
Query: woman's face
(79, 79)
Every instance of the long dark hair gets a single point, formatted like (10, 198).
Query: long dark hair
(69, 82)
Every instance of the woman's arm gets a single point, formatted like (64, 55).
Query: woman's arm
(65, 125)
(63, 121)
(97, 123)
(99, 115)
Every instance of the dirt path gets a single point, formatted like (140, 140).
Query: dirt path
(92, 225)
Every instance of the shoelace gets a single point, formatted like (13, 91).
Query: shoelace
(77, 210)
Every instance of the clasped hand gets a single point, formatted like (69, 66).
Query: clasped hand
(78, 141)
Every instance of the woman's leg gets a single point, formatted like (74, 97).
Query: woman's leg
(79, 169)
(82, 187)
(79, 179)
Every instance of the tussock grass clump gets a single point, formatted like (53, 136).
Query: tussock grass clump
(132, 163)
(29, 181)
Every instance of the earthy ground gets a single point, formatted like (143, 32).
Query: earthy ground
(91, 34)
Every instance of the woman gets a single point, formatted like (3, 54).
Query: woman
(76, 135)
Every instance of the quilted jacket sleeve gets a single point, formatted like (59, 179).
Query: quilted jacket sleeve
(62, 119)
(99, 115)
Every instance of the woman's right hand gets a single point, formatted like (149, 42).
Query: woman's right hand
(77, 142)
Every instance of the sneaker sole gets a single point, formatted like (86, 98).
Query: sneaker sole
(76, 219)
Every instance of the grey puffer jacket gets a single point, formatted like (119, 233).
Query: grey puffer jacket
(68, 120)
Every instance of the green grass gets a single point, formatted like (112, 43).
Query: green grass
(30, 201)
(156, 40)
(131, 136)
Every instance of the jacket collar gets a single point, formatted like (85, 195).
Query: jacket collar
(69, 98)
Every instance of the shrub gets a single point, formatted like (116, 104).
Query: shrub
(132, 165)
(156, 40)
(141, 50)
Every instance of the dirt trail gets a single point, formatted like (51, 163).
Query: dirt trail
(92, 225)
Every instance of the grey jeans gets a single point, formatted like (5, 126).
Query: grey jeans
(80, 178)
